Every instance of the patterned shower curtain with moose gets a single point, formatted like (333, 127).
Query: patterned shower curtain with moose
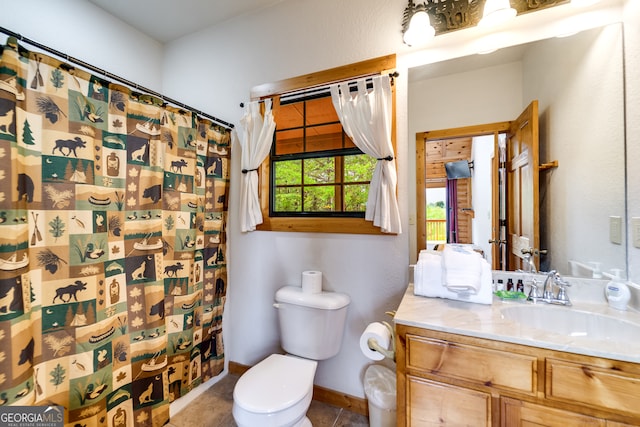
(112, 245)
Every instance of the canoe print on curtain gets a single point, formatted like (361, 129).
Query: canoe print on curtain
(112, 245)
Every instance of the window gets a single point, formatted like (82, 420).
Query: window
(316, 170)
(316, 179)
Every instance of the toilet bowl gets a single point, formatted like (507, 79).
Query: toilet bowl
(275, 393)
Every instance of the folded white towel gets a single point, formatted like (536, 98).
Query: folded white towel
(484, 295)
(462, 269)
(427, 272)
(428, 280)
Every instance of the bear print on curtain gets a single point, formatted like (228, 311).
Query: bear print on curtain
(112, 245)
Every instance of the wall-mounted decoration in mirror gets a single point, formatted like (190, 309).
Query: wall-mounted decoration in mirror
(458, 169)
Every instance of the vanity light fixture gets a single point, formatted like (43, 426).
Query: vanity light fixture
(422, 20)
(417, 26)
(497, 12)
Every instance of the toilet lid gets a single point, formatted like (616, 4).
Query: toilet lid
(274, 384)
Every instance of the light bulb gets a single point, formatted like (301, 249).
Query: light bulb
(496, 12)
(420, 30)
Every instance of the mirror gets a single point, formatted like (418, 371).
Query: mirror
(581, 115)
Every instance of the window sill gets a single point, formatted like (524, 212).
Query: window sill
(321, 225)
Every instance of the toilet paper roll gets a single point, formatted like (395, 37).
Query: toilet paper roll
(312, 282)
(381, 334)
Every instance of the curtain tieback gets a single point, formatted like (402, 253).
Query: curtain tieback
(248, 170)
(388, 158)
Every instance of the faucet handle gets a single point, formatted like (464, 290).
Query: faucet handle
(560, 282)
(562, 289)
(534, 292)
(562, 296)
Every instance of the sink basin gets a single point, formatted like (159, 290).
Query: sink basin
(573, 323)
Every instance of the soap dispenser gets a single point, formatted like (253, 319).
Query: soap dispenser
(617, 292)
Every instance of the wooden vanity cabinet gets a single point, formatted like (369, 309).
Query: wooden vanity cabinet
(450, 379)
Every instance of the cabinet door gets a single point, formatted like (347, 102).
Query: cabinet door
(470, 363)
(515, 413)
(609, 388)
(429, 403)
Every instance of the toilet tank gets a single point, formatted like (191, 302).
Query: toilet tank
(311, 325)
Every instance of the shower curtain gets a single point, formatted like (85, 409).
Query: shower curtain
(112, 245)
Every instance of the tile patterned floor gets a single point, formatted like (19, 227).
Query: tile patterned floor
(213, 409)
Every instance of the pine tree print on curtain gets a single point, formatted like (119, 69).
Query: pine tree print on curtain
(112, 241)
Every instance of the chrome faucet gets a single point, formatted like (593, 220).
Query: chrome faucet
(547, 291)
(553, 278)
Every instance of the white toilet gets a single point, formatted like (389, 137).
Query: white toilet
(277, 391)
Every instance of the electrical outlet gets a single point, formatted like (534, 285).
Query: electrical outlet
(635, 231)
(615, 229)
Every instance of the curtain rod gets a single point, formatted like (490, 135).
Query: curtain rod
(113, 76)
(319, 89)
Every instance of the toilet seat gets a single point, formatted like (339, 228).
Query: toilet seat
(275, 384)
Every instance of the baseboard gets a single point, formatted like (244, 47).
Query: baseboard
(321, 394)
(341, 400)
(237, 368)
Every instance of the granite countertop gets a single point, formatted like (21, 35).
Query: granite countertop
(487, 321)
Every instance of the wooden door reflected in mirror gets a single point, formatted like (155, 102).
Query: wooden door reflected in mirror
(512, 175)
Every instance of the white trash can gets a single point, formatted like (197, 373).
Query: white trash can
(380, 389)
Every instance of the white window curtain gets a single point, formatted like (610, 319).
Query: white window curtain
(366, 118)
(255, 135)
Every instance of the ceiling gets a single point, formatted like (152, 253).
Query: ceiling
(167, 20)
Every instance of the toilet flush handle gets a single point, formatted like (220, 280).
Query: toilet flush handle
(276, 305)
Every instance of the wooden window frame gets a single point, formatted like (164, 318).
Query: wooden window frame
(274, 90)
(340, 148)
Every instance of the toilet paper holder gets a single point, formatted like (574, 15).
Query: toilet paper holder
(375, 346)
